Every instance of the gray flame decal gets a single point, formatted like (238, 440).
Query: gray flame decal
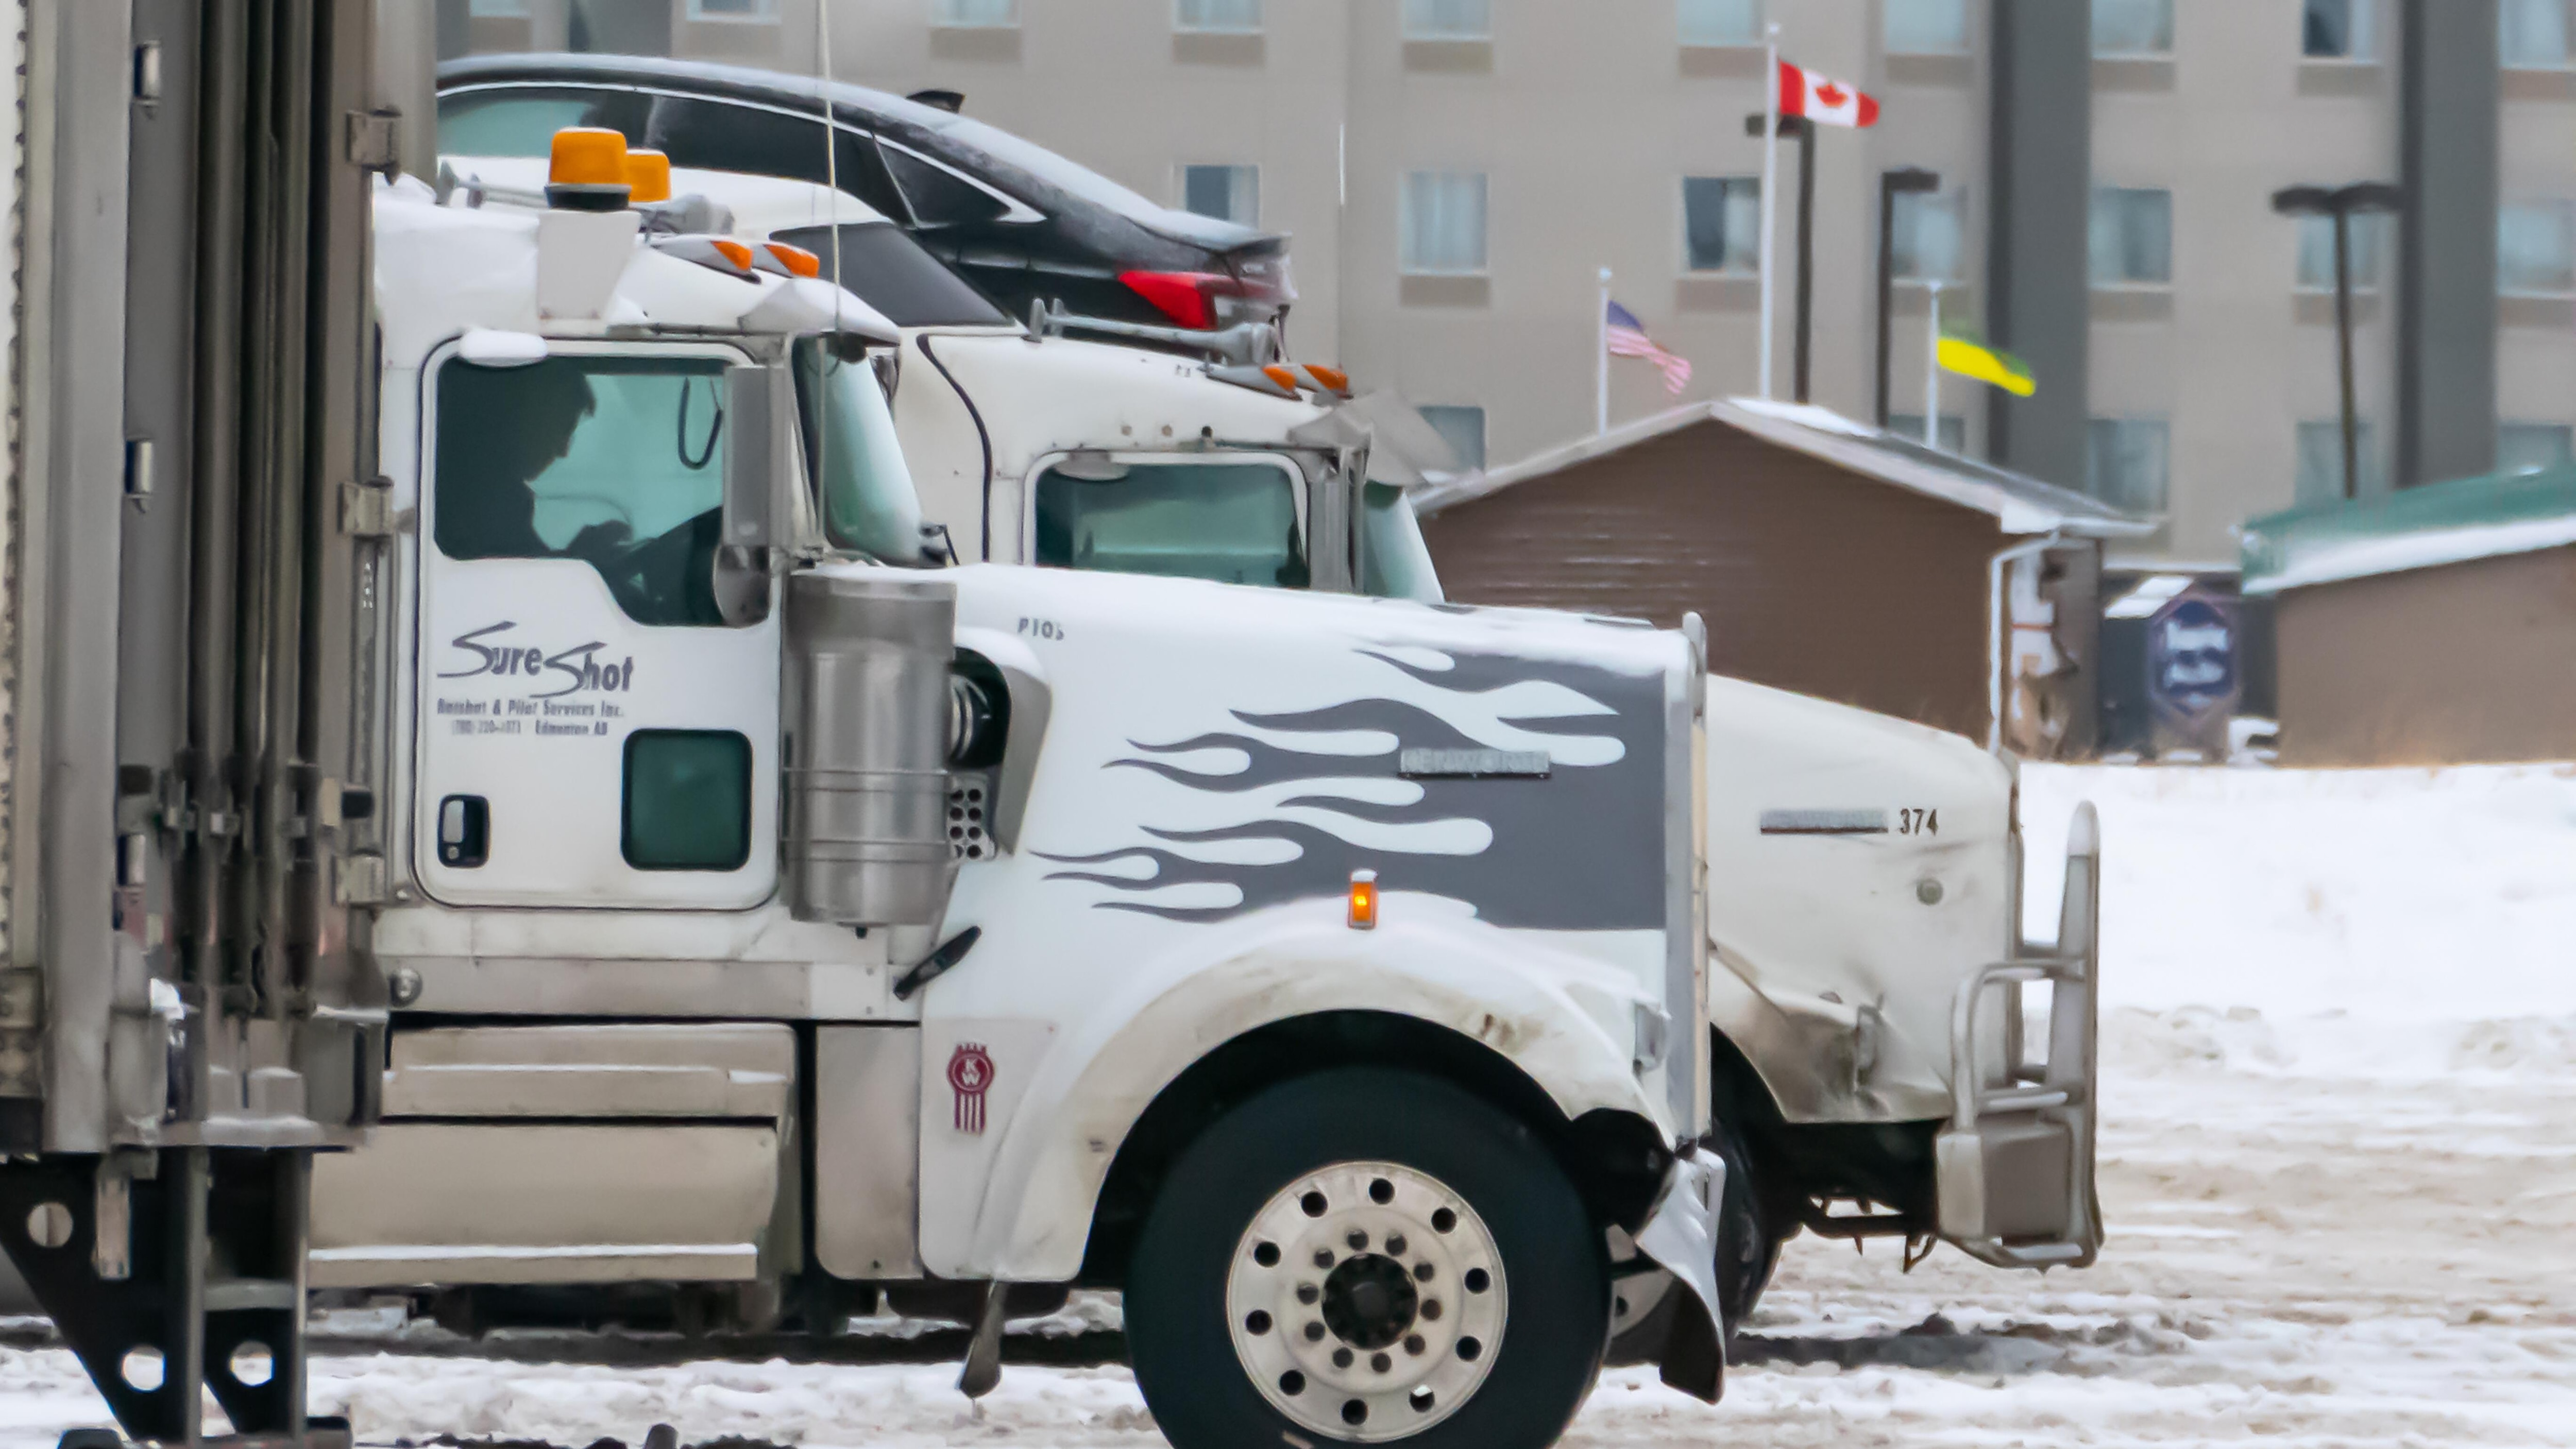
(1564, 852)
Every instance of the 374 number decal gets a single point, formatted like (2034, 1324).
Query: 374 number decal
(1918, 822)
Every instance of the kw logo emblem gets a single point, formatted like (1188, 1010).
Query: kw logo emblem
(970, 1073)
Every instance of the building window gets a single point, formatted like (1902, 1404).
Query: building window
(2131, 239)
(2133, 27)
(2369, 240)
(1448, 20)
(2528, 447)
(2536, 249)
(1722, 224)
(1927, 232)
(2339, 29)
(2321, 460)
(1228, 193)
(1223, 17)
(1464, 428)
(975, 14)
(1926, 27)
(1444, 222)
(2124, 462)
(733, 9)
(2532, 34)
(1953, 434)
(1719, 22)
(496, 9)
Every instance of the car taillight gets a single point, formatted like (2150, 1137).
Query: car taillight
(1188, 298)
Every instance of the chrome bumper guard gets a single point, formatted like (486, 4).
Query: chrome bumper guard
(1681, 1236)
(2015, 1162)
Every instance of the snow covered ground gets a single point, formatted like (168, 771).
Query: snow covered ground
(2339, 1166)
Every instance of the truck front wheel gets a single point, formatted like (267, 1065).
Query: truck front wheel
(1366, 1256)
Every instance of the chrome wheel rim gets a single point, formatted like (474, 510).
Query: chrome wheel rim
(1366, 1301)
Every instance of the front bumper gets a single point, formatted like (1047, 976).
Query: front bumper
(1681, 1236)
(2015, 1162)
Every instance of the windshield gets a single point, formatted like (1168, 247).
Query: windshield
(1233, 522)
(869, 505)
(1394, 561)
(617, 462)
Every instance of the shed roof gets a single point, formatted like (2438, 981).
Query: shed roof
(2412, 528)
(2020, 504)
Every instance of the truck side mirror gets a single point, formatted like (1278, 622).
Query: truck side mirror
(759, 512)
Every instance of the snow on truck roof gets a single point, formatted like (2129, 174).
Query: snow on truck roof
(442, 271)
(2466, 519)
(2019, 503)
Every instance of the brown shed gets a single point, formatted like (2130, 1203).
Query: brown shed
(1824, 555)
(2436, 625)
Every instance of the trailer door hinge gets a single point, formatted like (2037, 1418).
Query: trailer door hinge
(22, 999)
(359, 880)
(374, 141)
(367, 510)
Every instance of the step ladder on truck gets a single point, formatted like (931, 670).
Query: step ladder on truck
(191, 692)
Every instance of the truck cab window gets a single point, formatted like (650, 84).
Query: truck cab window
(617, 462)
(869, 505)
(1394, 561)
(1234, 522)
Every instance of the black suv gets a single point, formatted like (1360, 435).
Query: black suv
(1020, 222)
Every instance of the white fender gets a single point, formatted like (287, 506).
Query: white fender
(1564, 1020)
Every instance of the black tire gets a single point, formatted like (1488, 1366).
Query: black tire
(1552, 1258)
(1748, 1252)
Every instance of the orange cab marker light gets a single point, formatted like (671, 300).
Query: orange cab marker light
(796, 259)
(732, 251)
(1280, 375)
(587, 156)
(1331, 377)
(1363, 900)
(648, 176)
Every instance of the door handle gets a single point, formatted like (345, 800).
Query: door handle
(464, 831)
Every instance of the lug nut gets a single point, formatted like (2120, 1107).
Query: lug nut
(1314, 1333)
(1341, 1358)
(1308, 1293)
(1358, 1241)
(1413, 1344)
(1380, 1362)
(1395, 1245)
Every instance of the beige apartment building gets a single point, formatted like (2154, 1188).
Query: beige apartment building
(1457, 172)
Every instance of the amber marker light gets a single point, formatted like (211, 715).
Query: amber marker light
(1363, 900)
(648, 176)
(798, 261)
(586, 170)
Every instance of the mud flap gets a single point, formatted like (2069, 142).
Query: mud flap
(1681, 1236)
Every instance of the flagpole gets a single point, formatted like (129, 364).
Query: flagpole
(1770, 172)
(1932, 371)
(1601, 358)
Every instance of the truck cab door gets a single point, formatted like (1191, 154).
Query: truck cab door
(590, 730)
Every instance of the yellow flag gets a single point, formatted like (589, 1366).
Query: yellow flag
(1959, 355)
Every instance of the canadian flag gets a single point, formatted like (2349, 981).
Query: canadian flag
(1826, 102)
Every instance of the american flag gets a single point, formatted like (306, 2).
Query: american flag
(1628, 338)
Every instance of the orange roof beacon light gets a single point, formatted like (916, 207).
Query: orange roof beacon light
(1363, 900)
(587, 171)
(648, 176)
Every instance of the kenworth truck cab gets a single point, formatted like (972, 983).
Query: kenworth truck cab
(771, 914)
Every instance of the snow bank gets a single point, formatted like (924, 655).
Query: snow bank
(2367, 921)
